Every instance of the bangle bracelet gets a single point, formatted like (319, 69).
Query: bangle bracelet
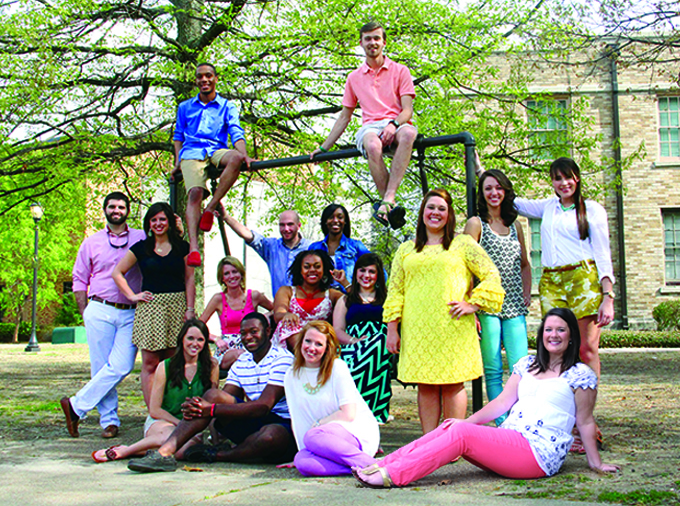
(322, 149)
(212, 410)
(191, 309)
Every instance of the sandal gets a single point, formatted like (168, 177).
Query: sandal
(372, 469)
(376, 206)
(109, 453)
(396, 217)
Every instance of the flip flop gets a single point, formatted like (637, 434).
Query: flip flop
(376, 215)
(374, 468)
(206, 221)
(109, 453)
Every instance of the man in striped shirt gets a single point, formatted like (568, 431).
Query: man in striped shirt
(251, 411)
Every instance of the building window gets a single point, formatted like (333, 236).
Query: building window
(535, 255)
(671, 229)
(669, 127)
(548, 125)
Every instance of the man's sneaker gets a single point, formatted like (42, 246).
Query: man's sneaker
(153, 462)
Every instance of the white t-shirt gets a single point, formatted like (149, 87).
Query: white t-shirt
(339, 390)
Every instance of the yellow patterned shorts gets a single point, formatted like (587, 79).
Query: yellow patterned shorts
(577, 289)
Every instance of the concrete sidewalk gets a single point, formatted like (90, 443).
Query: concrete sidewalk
(48, 482)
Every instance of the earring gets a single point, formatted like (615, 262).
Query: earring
(324, 279)
(149, 233)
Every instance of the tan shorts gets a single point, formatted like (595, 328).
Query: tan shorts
(194, 171)
(577, 289)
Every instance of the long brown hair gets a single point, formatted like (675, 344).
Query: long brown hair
(421, 231)
(508, 211)
(367, 260)
(177, 361)
(568, 168)
(329, 356)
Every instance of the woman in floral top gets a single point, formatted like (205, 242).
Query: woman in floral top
(546, 395)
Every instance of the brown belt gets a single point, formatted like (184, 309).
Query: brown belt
(570, 267)
(117, 305)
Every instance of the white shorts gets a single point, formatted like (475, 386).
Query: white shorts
(377, 127)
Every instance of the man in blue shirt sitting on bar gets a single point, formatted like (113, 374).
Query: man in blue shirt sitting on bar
(204, 125)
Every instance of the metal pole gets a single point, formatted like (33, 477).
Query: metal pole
(470, 184)
(33, 341)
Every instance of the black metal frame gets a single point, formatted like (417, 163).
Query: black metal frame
(421, 144)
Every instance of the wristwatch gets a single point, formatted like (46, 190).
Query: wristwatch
(611, 294)
(395, 123)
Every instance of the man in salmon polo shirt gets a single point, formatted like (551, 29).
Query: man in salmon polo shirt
(384, 90)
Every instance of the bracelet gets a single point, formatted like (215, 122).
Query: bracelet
(322, 149)
(191, 309)
(212, 410)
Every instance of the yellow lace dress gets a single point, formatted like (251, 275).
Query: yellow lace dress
(436, 349)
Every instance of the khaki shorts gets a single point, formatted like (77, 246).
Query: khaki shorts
(194, 171)
(577, 289)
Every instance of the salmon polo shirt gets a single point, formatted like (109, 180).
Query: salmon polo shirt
(378, 93)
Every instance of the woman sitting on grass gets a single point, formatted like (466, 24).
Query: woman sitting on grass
(188, 373)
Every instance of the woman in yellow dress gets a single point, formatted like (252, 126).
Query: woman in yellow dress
(429, 295)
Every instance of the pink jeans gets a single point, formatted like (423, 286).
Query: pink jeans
(501, 451)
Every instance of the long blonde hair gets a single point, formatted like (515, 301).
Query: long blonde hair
(329, 356)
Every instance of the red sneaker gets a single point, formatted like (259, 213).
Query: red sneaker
(194, 259)
(206, 221)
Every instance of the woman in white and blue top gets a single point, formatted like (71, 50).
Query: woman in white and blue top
(496, 230)
(546, 394)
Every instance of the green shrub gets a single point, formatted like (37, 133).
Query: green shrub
(7, 332)
(632, 339)
(69, 314)
(667, 315)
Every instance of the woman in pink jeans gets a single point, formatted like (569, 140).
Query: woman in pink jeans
(546, 395)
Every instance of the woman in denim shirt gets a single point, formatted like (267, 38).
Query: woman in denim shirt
(343, 250)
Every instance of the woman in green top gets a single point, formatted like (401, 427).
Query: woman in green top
(188, 373)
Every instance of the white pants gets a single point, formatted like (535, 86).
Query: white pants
(112, 357)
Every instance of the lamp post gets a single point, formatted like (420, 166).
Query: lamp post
(37, 214)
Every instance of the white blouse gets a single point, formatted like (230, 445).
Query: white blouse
(339, 390)
(560, 240)
(545, 412)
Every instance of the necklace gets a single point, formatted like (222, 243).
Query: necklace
(311, 390)
(367, 300)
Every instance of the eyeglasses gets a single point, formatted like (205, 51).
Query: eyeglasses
(117, 246)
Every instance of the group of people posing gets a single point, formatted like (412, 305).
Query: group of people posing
(309, 381)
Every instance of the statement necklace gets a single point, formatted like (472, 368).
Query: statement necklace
(311, 390)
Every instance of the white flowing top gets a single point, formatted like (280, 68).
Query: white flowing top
(560, 240)
(306, 409)
(545, 411)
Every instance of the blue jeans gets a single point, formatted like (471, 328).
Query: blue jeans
(513, 334)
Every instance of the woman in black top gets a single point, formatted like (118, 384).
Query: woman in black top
(168, 290)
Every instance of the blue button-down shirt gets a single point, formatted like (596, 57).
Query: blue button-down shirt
(346, 255)
(277, 256)
(205, 128)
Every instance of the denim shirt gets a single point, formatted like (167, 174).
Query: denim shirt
(346, 255)
(278, 257)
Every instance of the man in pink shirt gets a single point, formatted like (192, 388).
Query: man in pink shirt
(384, 90)
(108, 317)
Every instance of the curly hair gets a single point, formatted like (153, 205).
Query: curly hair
(295, 269)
